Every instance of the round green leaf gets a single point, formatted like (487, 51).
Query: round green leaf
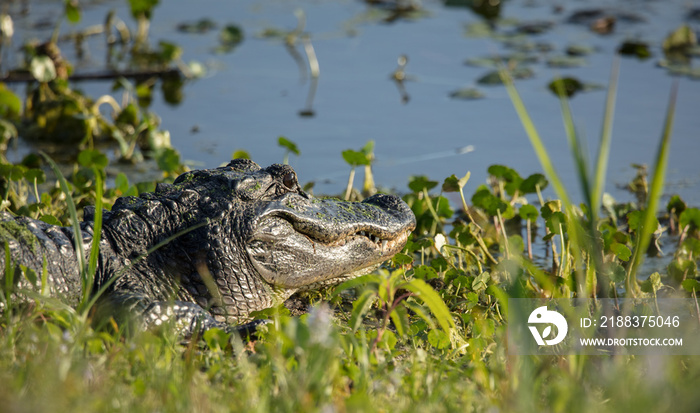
(35, 174)
(676, 205)
(488, 202)
(530, 184)
(50, 219)
(10, 104)
(549, 208)
(451, 184)
(616, 272)
(401, 259)
(288, 145)
(240, 154)
(621, 251)
(438, 339)
(690, 216)
(168, 160)
(355, 158)
(418, 183)
(528, 212)
(691, 285)
(43, 69)
(142, 7)
(73, 11)
(89, 158)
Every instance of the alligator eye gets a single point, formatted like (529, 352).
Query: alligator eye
(290, 181)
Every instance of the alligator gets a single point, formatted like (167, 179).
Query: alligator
(212, 247)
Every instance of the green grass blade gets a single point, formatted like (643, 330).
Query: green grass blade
(605, 138)
(432, 299)
(535, 140)
(77, 235)
(360, 307)
(355, 282)
(578, 150)
(399, 316)
(9, 275)
(655, 192)
(97, 233)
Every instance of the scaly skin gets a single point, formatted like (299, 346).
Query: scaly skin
(249, 238)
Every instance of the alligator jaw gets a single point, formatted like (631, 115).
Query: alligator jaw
(298, 243)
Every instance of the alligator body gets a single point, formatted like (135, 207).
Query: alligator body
(230, 241)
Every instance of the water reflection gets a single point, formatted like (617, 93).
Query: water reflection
(255, 83)
(490, 10)
(399, 76)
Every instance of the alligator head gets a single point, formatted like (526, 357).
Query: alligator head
(260, 237)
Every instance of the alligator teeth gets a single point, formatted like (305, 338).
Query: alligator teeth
(384, 242)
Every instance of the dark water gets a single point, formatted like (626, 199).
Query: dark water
(255, 93)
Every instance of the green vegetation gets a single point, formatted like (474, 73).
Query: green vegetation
(424, 333)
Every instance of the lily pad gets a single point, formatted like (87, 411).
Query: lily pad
(680, 69)
(478, 29)
(527, 46)
(566, 61)
(494, 78)
(498, 60)
(570, 86)
(680, 40)
(635, 48)
(580, 50)
(229, 37)
(467, 93)
(200, 26)
(536, 27)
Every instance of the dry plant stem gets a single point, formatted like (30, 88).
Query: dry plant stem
(681, 238)
(466, 209)
(697, 307)
(555, 256)
(483, 247)
(432, 210)
(529, 239)
(311, 56)
(351, 179)
(142, 32)
(505, 236)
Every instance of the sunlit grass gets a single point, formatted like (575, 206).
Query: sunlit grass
(425, 334)
(592, 182)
